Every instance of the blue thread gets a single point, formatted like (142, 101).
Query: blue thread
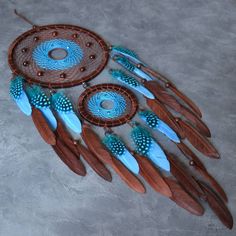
(95, 105)
(43, 60)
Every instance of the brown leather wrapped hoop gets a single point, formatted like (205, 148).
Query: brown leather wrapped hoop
(95, 56)
(131, 108)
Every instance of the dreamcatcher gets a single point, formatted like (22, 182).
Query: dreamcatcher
(37, 77)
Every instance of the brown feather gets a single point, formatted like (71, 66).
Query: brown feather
(42, 126)
(152, 176)
(218, 206)
(171, 86)
(213, 183)
(163, 96)
(198, 165)
(130, 179)
(94, 144)
(94, 162)
(184, 178)
(69, 158)
(183, 199)
(165, 115)
(190, 155)
(183, 97)
(200, 142)
(64, 135)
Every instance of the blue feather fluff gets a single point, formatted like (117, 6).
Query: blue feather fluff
(125, 52)
(124, 62)
(64, 109)
(155, 123)
(40, 101)
(131, 82)
(118, 149)
(146, 146)
(18, 94)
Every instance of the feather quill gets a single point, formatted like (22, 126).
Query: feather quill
(183, 199)
(42, 126)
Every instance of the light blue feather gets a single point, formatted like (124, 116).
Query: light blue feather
(49, 117)
(165, 129)
(147, 146)
(131, 82)
(23, 104)
(71, 120)
(118, 149)
(129, 161)
(142, 74)
(125, 63)
(158, 157)
(39, 100)
(155, 123)
(18, 94)
(63, 106)
(125, 52)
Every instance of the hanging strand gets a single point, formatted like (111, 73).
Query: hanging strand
(24, 18)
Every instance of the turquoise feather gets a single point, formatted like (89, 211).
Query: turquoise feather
(118, 149)
(18, 94)
(155, 123)
(124, 62)
(64, 108)
(131, 82)
(40, 101)
(146, 146)
(125, 52)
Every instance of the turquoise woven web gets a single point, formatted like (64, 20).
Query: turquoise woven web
(118, 105)
(41, 54)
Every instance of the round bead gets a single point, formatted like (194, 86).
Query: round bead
(191, 163)
(24, 50)
(92, 56)
(167, 85)
(36, 39)
(25, 63)
(62, 75)
(82, 69)
(54, 33)
(88, 44)
(75, 36)
(40, 73)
